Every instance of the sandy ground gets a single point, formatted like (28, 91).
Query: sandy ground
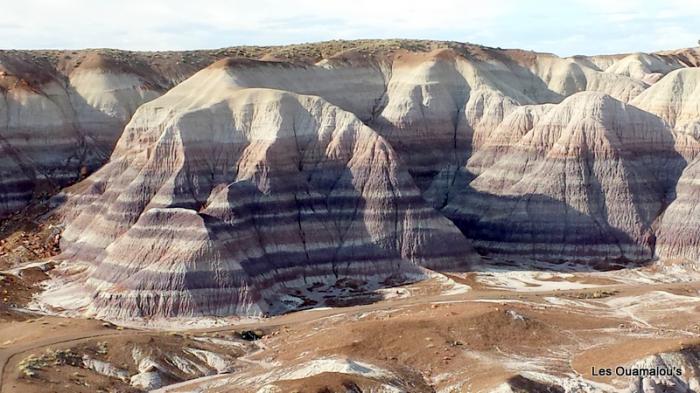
(465, 332)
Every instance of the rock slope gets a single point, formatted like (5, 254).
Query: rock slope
(61, 112)
(680, 225)
(648, 68)
(56, 128)
(586, 182)
(434, 101)
(676, 99)
(229, 196)
(434, 107)
(245, 174)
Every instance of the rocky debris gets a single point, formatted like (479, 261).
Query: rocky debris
(14, 291)
(146, 380)
(29, 235)
(251, 335)
(674, 372)
(598, 294)
(130, 363)
(220, 363)
(516, 316)
(18, 287)
(30, 366)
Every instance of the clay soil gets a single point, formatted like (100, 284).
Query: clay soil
(483, 337)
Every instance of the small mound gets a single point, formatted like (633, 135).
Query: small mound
(330, 382)
(676, 99)
(437, 340)
(642, 66)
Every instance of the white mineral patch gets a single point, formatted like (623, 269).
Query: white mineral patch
(221, 341)
(213, 360)
(147, 380)
(648, 307)
(105, 368)
(530, 281)
(346, 366)
(189, 367)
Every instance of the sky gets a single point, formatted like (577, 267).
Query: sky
(564, 27)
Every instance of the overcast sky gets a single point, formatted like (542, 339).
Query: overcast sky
(564, 27)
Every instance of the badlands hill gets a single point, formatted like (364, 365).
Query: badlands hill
(235, 181)
(63, 111)
(234, 195)
(587, 181)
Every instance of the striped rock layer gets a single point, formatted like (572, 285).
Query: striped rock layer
(436, 107)
(677, 100)
(434, 101)
(280, 166)
(56, 127)
(678, 232)
(62, 112)
(219, 203)
(584, 180)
